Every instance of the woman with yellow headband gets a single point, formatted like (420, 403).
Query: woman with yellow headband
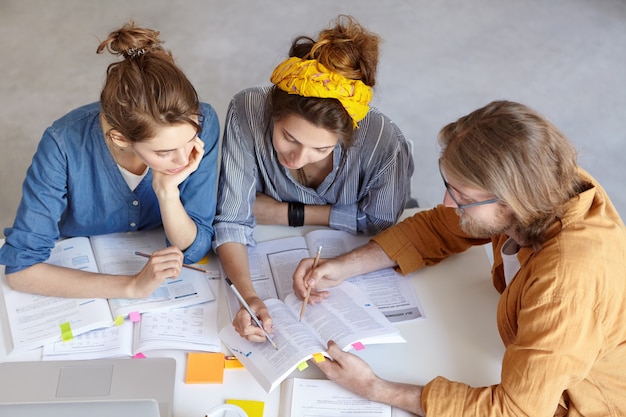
(309, 150)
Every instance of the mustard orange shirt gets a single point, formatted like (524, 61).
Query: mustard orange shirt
(562, 318)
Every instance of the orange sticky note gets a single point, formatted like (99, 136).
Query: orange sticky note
(319, 357)
(251, 407)
(205, 368)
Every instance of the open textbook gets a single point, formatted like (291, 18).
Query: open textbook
(187, 328)
(321, 397)
(348, 317)
(273, 262)
(36, 320)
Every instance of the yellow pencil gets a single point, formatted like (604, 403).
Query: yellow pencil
(308, 291)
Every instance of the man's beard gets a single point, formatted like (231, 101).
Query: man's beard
(499, 224)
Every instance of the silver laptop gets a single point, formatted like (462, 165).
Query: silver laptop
(102, 387)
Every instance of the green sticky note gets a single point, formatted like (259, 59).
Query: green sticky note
(303, 366)
(119, 320)
(66, 332)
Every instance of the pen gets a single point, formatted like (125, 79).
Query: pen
(249, 310)
(308, 291)
(195, 268)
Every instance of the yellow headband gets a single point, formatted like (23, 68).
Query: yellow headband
(309, 78)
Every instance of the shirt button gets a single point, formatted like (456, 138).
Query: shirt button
(133, 224)
(135, 203)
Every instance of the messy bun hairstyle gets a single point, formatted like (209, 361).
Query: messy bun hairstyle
(348, 49)
(146, 90)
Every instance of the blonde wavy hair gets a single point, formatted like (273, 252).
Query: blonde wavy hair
(511, 151)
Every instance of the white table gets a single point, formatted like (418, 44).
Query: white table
(458, 338)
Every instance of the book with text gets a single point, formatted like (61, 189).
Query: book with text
(321, 397)
(347, 317)
(273, 262)
(193, 328)
(35, 320)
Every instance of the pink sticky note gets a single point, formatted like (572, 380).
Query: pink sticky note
(139, 356)
(358, 346)
(134, 316)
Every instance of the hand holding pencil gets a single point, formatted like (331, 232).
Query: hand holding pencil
(308, 291)
(252, 314)
(162, 264)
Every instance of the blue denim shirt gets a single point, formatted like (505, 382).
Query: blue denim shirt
(74, 188)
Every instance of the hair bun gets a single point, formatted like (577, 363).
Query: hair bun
(131, 41)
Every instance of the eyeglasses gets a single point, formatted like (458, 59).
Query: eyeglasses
(452, 191)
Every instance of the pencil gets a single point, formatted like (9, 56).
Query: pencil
(308, 291)
(195, 268)
(249, 310)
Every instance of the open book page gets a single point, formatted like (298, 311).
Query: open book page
(186, 328)
(393, 294)
(189, 288)
(36, 319)
(346, 317)
(267, 365)
(115, 254)
(321, 397)
(109, 342)
(272, 264)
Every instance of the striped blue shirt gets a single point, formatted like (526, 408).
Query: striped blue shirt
(367, 188)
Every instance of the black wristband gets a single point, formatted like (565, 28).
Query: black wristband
(295, 214)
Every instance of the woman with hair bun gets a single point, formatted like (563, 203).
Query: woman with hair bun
(309, 150)
(144, 156)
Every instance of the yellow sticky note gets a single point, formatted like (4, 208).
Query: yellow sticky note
(319, 357)
(204, 260)
(205, 368)
(66, 332)
(251, 407)
(119, 320)
(232, 362)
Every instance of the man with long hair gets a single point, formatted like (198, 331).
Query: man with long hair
(511, 179)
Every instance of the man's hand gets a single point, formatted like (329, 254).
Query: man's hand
(333, 271)
(323, 276)
(352, 373)
(349, 371)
